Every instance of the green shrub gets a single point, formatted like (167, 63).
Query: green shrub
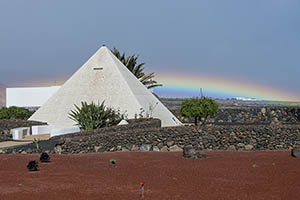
(15, 112)
(92, 116)
(199, 108)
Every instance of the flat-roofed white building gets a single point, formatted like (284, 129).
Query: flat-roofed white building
(29, 96)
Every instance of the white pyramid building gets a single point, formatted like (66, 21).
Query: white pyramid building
(103, 78)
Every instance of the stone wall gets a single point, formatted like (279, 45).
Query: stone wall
(154, 138)
(252, 137)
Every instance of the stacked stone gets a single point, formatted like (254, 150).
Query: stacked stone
(147, 138)
(252, 115)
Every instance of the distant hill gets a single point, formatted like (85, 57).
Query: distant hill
(175, 103)
(2, 95)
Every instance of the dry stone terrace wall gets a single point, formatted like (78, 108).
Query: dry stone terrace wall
(147, 135)
(151, 137)
(175, 138)
(252, 115)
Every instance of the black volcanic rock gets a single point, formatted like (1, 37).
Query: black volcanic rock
(295, 153)
(32, 165)
(45, 157)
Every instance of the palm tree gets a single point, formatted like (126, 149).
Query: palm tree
(137, 69)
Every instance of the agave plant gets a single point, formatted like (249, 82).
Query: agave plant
(37, 143)
(92, 116)
(137, 69)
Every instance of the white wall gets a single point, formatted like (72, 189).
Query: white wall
(30, 96)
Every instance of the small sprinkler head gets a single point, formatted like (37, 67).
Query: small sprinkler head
(142, 187)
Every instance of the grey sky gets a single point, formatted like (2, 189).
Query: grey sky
(255, 40)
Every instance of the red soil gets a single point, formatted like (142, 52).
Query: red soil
(223, 175)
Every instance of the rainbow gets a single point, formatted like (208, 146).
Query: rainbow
(186, 85)
(178, 84)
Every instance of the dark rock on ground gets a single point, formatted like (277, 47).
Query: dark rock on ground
(190, 152)
(295, 153)
(45, 157)
(32, 166)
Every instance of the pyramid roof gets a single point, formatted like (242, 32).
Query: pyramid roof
(103, 78)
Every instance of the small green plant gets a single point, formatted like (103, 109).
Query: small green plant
(199, 108)
(92, 116)
(273, 164)
(254, 165)
(37, 143)
(113, 162)
(15, 112)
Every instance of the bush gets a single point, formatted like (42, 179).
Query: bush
(92, 116)
(199, 108)
(15, 112)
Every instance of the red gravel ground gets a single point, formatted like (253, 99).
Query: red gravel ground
(223, 175)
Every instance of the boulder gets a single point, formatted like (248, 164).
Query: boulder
(170, 143)
(134, 148)
(241, 145)
(124, 149)
(295, 153)
(175, 148)
(45, 157)
(232, 148)
(249, 147)
(155, 148)
(112, 149)
(97, 148)
(164, 149)
(58, 149)
(32, 165)
(190, 152)
(160, 145)
(101, 150)
(119, 148)
(145, 147)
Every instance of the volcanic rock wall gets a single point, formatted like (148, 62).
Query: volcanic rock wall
(175, 138)
(148, 136)
(253, 115)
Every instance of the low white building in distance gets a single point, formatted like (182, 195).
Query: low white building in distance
(29, 96)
